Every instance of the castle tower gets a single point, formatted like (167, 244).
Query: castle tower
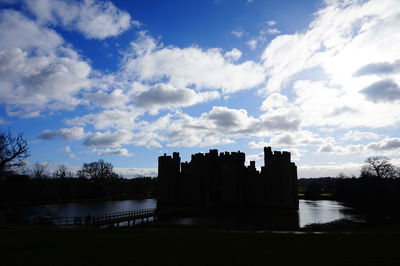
(280, 180)
(267, 155)
(168, 176)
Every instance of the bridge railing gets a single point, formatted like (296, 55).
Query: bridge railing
(122, 215)
(102, 219)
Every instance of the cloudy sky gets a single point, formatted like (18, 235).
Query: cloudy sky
(127, 81)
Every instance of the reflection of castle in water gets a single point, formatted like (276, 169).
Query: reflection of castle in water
(212, 180)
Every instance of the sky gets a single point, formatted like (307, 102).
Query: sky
(126, 81)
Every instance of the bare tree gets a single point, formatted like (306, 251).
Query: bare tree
(342, 175)
(62, 172)
(99, 169)
(13, 151)
(378, 166)
(39, 170)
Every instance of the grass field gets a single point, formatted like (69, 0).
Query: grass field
(144, 246)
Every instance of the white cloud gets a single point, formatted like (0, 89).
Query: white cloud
(189, 67)
(388, 144)
(221, 125)
(271, 22)
(69, 134)
(381, 68)
(281, 119)
(338, 40)
(252, 44)
(106, 119)
(109, 139)
(331, 148)
(37, 70)
(113, 99)
(258, 158)
(327, 148)
(382, 91)
(237, 33)
(290, 140)
(41, 81)
(94, 19)
(233, 54)
(72, 156)
(226, 120)
(17, 30)
(273, 31)
(163, 95)
(356, 135)
(274, 100)
(314, 171)
(66, 149)
(237, 121)
(136, 172)
(323, 105)
(115, 151)
(257, 145)
(299, 138)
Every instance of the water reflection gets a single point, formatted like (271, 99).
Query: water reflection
(320, 211)
(238, 219)
(99, 207)
(324, 211)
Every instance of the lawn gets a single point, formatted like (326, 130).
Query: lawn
(146, 246)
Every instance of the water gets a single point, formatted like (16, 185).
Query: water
(324, 211)
(320, 211)
(97, 207)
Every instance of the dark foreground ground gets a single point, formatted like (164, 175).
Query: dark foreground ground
(152, 246)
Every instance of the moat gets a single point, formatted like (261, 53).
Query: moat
(319, 211)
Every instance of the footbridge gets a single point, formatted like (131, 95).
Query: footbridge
(129, 218)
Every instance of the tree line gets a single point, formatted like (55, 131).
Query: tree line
(376, 192)
(22, 185)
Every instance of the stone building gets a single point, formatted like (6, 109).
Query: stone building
(223, 180)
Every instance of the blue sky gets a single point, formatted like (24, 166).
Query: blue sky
(126, 81)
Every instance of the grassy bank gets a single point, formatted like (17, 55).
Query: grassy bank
(141, 246)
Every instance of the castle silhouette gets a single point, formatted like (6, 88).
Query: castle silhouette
(212, 180)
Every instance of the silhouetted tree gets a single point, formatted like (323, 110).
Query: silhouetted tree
(342, 175)
(62, 172)
(378, 166)
(99, 169)
(13, 151)
(313, 191)
(39, 170)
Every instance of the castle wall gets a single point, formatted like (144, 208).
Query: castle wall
(222, 180)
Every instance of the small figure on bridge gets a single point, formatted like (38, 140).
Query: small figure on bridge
(77, 220)
(88, 219)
